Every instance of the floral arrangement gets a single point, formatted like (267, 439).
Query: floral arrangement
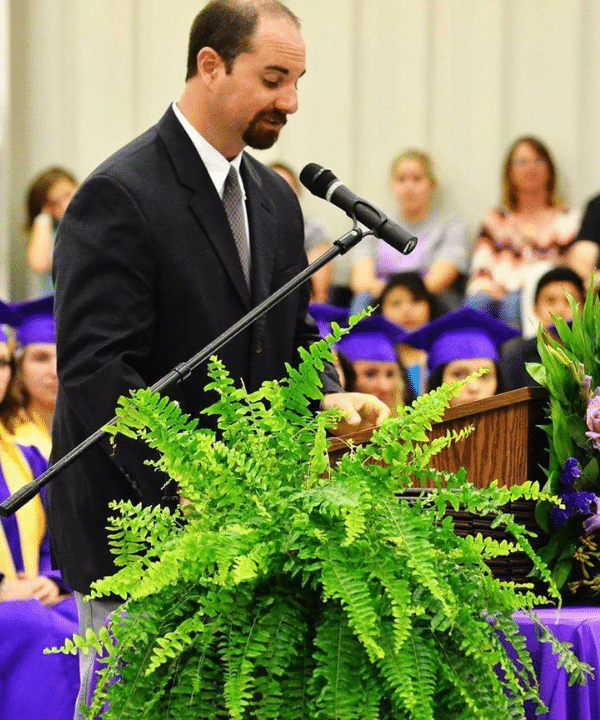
(570, 370)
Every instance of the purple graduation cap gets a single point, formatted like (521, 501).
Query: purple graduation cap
(324, 314)
(7, 317)
(464, 334)
(36, 323)
(374, 338)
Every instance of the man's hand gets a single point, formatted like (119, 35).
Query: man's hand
(362, 411)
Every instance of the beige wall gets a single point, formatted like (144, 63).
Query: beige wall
(461, 78)
(4, 159)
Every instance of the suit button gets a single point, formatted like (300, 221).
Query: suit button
(259, 348)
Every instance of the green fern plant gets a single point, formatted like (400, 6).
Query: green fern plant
(287, 588)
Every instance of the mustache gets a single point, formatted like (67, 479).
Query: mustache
(277, 115)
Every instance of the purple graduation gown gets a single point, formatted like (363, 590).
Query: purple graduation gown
(34, 686)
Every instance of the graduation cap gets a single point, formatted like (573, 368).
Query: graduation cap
(464, 334)
(7, 317)
(36, 320)
(324, 314)
(374, 338)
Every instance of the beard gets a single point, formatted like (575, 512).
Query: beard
(259, 134)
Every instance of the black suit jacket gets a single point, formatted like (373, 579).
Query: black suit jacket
(147, 274)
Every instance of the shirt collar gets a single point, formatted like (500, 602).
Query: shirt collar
(216, 163)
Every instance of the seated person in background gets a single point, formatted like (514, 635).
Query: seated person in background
(459, 344)
(47, 199)
(532, 226)
(35, 611)
(324, 314)
(550, 301)
(443, 252)
(371, 348)
(406, 301)
(37, 380)
(583, 254)
(316, 240)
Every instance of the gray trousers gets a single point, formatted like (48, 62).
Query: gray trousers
(93, 615)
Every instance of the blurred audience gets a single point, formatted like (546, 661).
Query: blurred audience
(443, 251)
(551, 301)
(47, 199)
(316, 240)
(324, 314)
(406, 301)
(532, 226)
(37, 380)
(460, 343)
(36, 610)
(583, 255)
(371, 348)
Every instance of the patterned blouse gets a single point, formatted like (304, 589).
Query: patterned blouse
(506, 250)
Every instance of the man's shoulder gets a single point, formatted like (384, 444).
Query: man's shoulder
(135, 159)
(127, 153)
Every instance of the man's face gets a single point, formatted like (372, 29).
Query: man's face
(252, 102)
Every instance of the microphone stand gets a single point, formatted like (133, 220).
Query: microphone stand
(183, 370)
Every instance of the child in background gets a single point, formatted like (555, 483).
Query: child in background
(37, 381)
(36, 610)
(550, 301)
(459, 344)
(407, 302)
(371, 348)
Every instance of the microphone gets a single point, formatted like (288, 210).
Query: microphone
(324, 184)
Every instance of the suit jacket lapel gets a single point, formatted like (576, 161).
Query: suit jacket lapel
(261, 220)
(204, 202)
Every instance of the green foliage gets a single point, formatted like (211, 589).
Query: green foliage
(570, 370)
(287, 588)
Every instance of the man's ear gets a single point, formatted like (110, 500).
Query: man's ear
(209, 63)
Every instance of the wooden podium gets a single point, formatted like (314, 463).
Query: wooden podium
(506, 444)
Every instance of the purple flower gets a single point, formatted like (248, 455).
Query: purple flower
(592, 419)
(580, 502)
(593, 522)
(576, 503)
(559, 517)
(571, 472)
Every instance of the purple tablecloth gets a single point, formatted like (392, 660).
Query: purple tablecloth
(581, 627)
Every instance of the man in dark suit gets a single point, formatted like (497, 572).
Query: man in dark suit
(147, 270)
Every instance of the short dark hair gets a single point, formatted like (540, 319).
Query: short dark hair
(559, 274)
(413, 282)
(227, 26)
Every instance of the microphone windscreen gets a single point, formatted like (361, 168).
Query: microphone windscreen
(317, 179)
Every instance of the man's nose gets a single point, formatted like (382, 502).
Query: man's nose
(288, 100)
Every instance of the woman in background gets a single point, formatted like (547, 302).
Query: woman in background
(459, 344)
(47, 199)
(35, 610)
(533, 226)
(37, 380)
(443, 250)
